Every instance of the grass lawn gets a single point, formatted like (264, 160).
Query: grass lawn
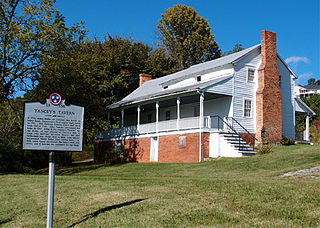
(227, 192)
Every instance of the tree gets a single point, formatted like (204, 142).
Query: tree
(94, 74)
(311, 81)
(186, 36)
(236, 48)
(29, 31)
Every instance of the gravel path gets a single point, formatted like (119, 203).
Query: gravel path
(312, 173)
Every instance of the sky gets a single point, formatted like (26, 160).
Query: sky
(296, 23)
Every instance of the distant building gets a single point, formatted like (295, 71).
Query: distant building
(306, 91)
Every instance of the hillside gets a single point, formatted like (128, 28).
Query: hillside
(226, 192)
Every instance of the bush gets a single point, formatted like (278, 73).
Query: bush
(118, 155)
(265, 149)
(10, 157)
(287, 141)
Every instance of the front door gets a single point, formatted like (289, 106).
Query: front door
(154, 149)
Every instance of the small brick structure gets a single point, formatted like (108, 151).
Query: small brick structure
(268, 95)
(144, 78)
(169, 150)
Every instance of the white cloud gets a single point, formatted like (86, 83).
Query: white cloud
(296, 59)
(305, 75)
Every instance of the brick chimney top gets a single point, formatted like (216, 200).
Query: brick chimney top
(143, 78)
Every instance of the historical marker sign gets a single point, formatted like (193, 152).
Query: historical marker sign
(52, 126)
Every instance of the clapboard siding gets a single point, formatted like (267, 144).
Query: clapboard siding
(245, 90)
(287, 98)
(223, 87)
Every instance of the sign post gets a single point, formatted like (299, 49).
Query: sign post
(50, 190)
(53, 126)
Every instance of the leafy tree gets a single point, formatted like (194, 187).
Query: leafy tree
(186, 36)
(94, 74)
(311, 81)
(318, 82)
(236, 48)
(29, 31)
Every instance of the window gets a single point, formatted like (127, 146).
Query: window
(250, 75)
(198, 78)
(165, 87)
(167, 115)
(247, 108)
(149, 118)
(279, 81)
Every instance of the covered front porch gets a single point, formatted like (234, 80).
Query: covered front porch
(301, 109)
(190, 111)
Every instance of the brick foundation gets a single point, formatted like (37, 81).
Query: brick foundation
(268, 96)
(138, 150)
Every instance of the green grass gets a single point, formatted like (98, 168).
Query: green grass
(227, 192)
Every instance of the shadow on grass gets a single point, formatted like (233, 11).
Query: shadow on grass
(77, 168)
(5, 221)
(102, 210)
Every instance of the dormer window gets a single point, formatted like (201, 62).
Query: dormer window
(250, 75)
(198, 78)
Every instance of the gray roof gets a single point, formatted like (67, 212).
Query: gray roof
(191, 88)
(312, 86)
(300, 106)
(153, 88)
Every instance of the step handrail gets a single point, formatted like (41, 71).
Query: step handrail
(253, 137)
(234, 130)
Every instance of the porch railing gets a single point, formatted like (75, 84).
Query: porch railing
(209, 122)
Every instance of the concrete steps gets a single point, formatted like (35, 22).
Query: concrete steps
(238, 144)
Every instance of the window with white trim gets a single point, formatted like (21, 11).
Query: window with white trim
(247, 109)
(250, 77)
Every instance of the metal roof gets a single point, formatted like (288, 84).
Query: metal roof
(311, 87)
(154, 88)
(300, 106)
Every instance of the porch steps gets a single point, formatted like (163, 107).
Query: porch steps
(241, 147)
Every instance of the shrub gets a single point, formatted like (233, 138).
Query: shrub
(118, 155)
(287, 141)
(265, 149)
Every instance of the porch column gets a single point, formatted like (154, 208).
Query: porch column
(201, 125)
(178, 112)
(108, 123)
(138, 120)
(201, 110)
(122, 117)
(157, 115)
(307, 128)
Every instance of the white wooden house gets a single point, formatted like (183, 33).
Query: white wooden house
(212, 109)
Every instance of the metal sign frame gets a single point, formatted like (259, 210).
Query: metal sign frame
(53, 108)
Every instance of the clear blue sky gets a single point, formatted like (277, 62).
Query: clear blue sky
(296, 23)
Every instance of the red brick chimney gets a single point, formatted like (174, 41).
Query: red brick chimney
(268, 96)
(143, 78)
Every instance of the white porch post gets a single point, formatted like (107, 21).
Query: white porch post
(108, 124)
(201, 125)
(201, 110)
(178, 112)
(122, 117)
(157, 115)
(138, 118)
(307, 128)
